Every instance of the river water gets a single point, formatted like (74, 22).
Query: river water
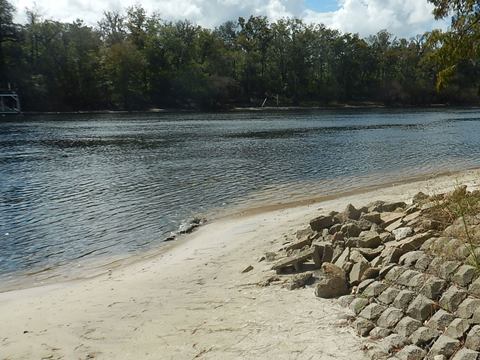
(81, 187)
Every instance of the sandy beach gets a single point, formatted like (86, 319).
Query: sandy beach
(192, 301)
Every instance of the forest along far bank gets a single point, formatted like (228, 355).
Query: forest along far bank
(132, 60)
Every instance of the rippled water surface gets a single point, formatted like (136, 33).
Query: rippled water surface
(84, 186)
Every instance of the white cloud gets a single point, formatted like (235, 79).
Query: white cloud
(401, 17)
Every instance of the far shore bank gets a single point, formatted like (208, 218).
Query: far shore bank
(193, 301)
(343, 106)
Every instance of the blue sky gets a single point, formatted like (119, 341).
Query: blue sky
(322, 5)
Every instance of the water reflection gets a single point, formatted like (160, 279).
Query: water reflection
(80, 187)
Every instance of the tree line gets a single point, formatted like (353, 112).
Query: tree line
(133, 61)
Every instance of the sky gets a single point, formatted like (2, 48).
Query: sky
(404, 18)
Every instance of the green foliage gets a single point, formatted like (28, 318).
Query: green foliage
(133, 60)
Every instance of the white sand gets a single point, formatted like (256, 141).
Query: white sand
(192, 302)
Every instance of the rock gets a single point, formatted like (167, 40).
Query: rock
(444, 346)
(391, 255)
(448, 269)
(418, 281)
(358, 304)
(421, 308)
(406, 277)
(474, 289)
(394, 273)
(363, 285)
(394, 225)
(346, 300)
(371, 254)
(392, 343)
(435, 265)
(370, 273)
(372, 312)
(388, 218)
(351, 230)
(403, 299)
(384, 270)
(351, 213)
(337, 237)
(363, 326)
(465, 275)
(333, 284)
(380, 333)
(402, 233)
(247, 269)
(414, 242)
(298, 281)
(411, 352)
(392, 206)
(359, 267)
(457, 328)
(467, 308)
(473, 339)
(335, 229)
(433, 287)
(386, 237)
(466, 354)
(343, 258)
(299, 244)
(423, 262)
(423, 336)
(407, 326)
(270, 256)
(373, 217)
(374, 289)
(452, 298)
(390, 318)
(327, 253)
(388, 296)
(420, 198)
(321, 222)
(410, 258)
(440, 320)
(371, 240)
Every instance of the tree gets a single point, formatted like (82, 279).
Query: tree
(8, 33)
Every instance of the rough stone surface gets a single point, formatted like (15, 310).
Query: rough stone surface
(391, 343)
(409, 259)
(390, 318)
(423, 336)
(423, 262)
(321, 222)
(388, 295)
(391, 255)
(374, 289)
(371, 240)
(444, 346)
(351, 212)
(407, 326)
(403, 299)
(372, 311)
(414, 242)
(357, 271)
(467, 308)
(457, 328)
(380, 333)
(466, 354)
(402, 233)
(464, 275)
(474, 289)
(473, 338)
(331, 287)
(373, 217)
(433, 287)
(351, 230)
(363, 326)
(448, 269)
(440, 320)
(394, 274)
(346, 300)
(406, 277)
(452, 298)
(421, 308)
(364, 285)
(358, 305)
(411, 352)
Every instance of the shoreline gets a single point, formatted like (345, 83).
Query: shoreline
(193, 301)
(88, 269)
(247, 109)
